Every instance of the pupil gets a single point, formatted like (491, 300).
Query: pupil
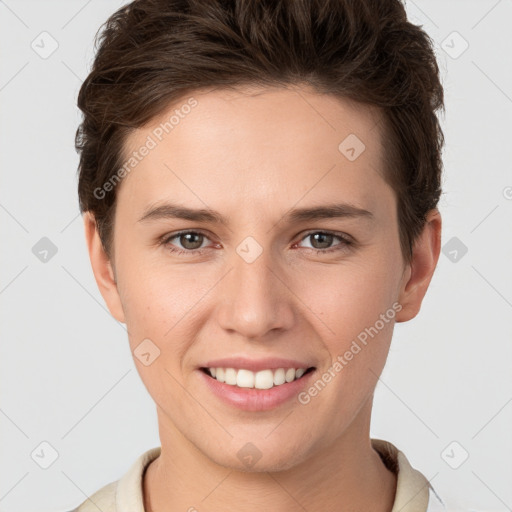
(187, 241)
(322, 235)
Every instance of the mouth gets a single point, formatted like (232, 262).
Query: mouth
(260, 380)
(264, 389)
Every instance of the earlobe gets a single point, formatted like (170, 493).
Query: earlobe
(102, 268)
(418, 274)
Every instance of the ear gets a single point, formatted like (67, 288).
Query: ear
(418, 273)
(102, 268)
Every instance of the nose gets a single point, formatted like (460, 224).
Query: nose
(255, 299)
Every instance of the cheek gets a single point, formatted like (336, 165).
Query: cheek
(160, 319)
(160, 303)
(347, 298)
(348, 303)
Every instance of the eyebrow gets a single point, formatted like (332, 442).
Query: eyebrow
(328, 211)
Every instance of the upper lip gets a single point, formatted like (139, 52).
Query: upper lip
(272, 363)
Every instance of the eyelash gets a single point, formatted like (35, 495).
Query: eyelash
(345, 244)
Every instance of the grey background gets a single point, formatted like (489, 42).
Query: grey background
(67, 376)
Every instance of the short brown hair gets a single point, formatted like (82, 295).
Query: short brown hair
(150, 53)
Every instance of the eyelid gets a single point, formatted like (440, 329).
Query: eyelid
(346, 241)
(344, 236)
(170, 236)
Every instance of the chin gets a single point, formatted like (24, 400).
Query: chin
(250, 459)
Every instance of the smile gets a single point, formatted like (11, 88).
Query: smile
(263, 379)
(258, 391)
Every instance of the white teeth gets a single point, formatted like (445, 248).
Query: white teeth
(230, 376)
(264, 379)
(279, 377)
(245, 379)
(299, 373)
(290, 375)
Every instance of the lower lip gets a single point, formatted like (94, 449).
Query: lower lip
(252, 399)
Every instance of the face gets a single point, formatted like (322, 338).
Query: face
(294, 263)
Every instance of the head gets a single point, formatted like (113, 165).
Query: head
(255, 112)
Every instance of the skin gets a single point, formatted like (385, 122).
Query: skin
(252, 154)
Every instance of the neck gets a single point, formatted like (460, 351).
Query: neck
(347, 475)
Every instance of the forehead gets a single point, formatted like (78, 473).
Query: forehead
(263, 143)
(299, 110)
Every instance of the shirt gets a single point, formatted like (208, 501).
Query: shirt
(414, 493)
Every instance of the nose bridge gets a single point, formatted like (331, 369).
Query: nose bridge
(255, 300)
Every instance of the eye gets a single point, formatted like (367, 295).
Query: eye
(191, 241)
(322, 241)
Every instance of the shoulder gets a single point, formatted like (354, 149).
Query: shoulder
(414, 492)
(104, 499)
(435, 503)
(125, 494)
